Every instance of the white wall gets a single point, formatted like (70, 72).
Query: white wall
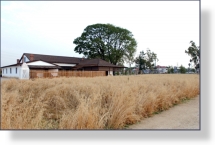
(12, 73)
(162, 70)
(24, 72)
(42, 63)
(165, 70)
(110, 73)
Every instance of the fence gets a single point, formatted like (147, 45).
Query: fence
(47, 74)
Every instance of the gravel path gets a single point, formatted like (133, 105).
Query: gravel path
(182, 116)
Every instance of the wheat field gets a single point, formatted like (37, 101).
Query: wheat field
(91, 103)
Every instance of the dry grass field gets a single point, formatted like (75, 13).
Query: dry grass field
(91, 103)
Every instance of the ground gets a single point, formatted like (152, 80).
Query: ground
(182, 116)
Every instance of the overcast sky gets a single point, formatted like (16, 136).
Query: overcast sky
(49, 27)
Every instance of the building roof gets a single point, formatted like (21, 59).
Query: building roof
(97, 62)
(44, 67)
(18, 64)
(80, 62)
(53, 59)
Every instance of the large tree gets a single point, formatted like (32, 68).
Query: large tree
(194, 52)
(107, 42)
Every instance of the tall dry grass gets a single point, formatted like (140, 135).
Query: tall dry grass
(91, 103)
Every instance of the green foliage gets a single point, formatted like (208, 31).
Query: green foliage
(193, 70)
(146, 60)
(170, 70)
(140, 60)
(151, 57)
(108, 42)
(194, 52)
(117, 73)
(182, 69)
(129, 56)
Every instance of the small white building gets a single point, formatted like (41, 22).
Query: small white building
(20, 71)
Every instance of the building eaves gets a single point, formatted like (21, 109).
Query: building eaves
(18, 64)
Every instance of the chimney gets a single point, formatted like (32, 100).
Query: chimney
(31, 57)
(17, 60)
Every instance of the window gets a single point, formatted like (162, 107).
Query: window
(3, 71)
(6, 70)
(10, 70)
(16, 70)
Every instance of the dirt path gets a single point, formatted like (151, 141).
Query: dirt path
(182, 116)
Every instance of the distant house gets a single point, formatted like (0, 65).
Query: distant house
(29, 62)
(162, 69)
(146, 71)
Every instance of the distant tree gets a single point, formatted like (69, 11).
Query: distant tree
(193, 70)
(189, 67)
(129, 57)
(170, 70)
(146, 60)
(182, 69)
(151, 57)
(106, 41)
(194, 52)
(140, 61)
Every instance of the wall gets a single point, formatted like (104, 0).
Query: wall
(105, 69)
(24, 72)
(162, 70)
(91, 69)
(110, 70)
(13, 72)
(110, 73)
(53, 70)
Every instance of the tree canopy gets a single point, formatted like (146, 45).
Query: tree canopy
(151, 57)
(140, 60)
(106, 41)
(146, 59)
(194, 52)
(182, 69)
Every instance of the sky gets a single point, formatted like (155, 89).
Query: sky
(49, 27)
